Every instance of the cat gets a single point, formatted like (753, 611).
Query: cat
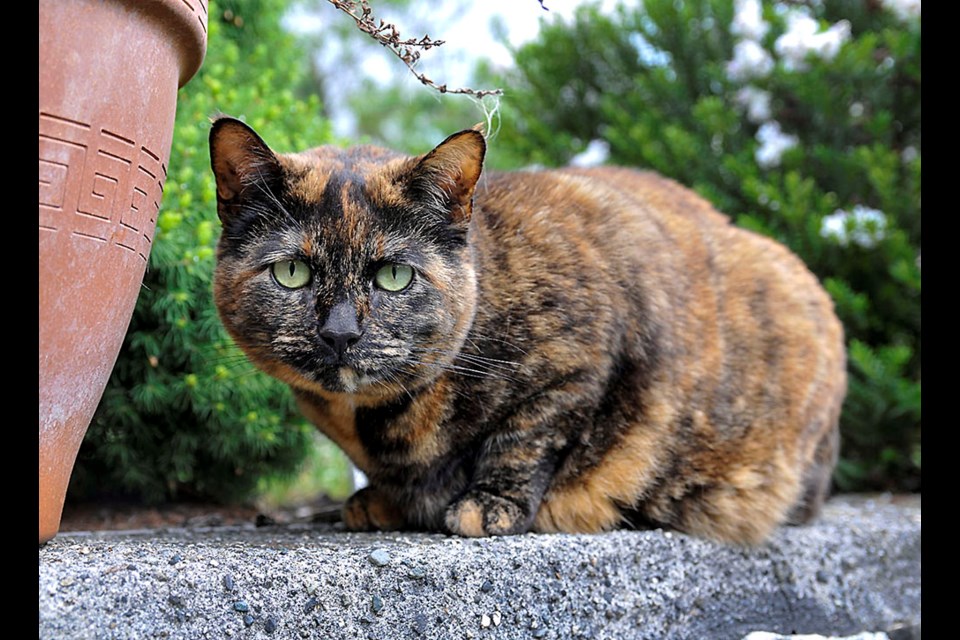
(566, 350)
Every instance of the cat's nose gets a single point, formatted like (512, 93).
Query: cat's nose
(341, 329)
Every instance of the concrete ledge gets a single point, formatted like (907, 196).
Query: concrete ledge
(857, 569)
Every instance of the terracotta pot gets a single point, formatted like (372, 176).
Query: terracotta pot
(109, 74)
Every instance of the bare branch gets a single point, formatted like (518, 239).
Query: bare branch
(407, 50)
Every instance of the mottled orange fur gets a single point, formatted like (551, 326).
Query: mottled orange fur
(579, 349)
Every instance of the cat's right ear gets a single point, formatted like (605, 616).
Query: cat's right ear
(240, 159)
(449, 173)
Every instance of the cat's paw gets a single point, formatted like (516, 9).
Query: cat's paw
(480, 514)
(369, 510)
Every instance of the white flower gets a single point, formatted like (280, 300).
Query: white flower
(862, 226)
(757, 103)
(802, 39)
(793, 44)
(905, 9)
(827, 44)
(909, 154)
(594, 155)
(750, 60)
(773, 144)
(748, 22)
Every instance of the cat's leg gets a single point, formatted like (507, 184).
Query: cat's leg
(369, 509)
(512, 474)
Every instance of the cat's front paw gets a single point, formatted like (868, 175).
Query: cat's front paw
(480, 514)
(369, 510)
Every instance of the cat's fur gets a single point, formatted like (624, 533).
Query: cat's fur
(579, 349)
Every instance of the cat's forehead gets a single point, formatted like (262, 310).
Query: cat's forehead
(364, 171)
(345, 202)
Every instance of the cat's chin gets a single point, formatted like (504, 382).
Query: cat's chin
(363, 386)
(346, 381)
(341, 380)
(351, 380)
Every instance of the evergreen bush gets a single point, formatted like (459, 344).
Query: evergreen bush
(799, 119)
(184, 414)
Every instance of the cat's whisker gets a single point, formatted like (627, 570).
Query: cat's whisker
(265, 189)
(475, 335)
(466, 371)
(412, 371)
(231, 360)
(504, 365)
(393, 379)
(451, 369)
(270, 213)
(477, 363)
(476, 358)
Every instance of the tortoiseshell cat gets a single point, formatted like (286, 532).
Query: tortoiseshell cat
(566, 350)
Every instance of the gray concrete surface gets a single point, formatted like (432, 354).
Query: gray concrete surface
(857, 569)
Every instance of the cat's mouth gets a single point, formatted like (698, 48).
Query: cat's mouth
(355, 375)
(346, 379)
(342, 379)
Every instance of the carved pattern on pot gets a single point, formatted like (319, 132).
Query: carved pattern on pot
(118, 196)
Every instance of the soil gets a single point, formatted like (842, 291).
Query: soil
(118, 516)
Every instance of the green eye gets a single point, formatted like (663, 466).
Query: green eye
(394, 277)
(292, 274)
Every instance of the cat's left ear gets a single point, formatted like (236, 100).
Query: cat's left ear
(449, 173)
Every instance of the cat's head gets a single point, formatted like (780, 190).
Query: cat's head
(346, 271)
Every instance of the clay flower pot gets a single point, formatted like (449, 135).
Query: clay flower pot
(109, 74)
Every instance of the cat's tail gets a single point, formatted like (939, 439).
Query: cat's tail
(816, 479)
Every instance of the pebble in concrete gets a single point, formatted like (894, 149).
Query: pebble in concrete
(420, 624)
(379, 558)
(270, 625)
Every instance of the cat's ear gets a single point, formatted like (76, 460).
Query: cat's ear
(239, 158)
(448, 174)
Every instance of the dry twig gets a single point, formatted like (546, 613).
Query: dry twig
(407, 50)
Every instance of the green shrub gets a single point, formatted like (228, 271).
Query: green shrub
(820, 151)
(184, 414)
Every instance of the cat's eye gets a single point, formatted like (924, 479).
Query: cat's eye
(394, 277)
(292, 274)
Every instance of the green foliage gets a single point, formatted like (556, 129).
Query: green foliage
(411, 118)
(653, 83)
(184, 414)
